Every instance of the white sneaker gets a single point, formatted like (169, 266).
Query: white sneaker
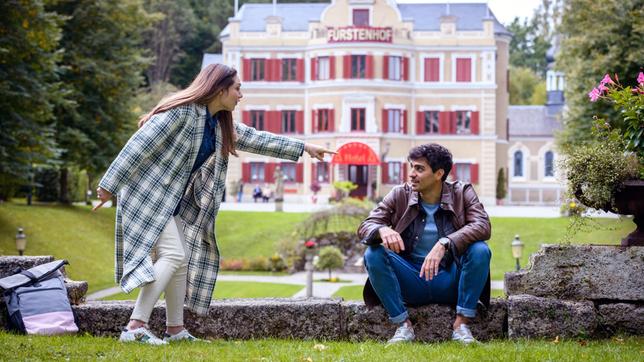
(403, 334)
(184, 335)
(141, 335)
(463, 335)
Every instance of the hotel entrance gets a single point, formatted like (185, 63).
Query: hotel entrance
(359, 175)
(354, 160)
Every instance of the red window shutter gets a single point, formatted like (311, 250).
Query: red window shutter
(432, 69)
(277, 70)
(246, 69)
(331, 120)
(405, 69)
(314, 68)
(314, 172)
(420, 123)
(300, 70)
(314, 121)
(443, 123)
(404, 170)
(269, 168)
(385, 67)
(385, 121)
(474, 173)
(403, 119)
(299, 172)
(452, 122)
(427, 67)
(369, 64)
(246, 117)
(463, 69)
(475, 123)
(331, 67)
(299, 122)
(385, 173)
(274, 121)
(346, 68)
(246, 172)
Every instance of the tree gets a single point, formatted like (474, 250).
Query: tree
(500, 185)
(528, 46)
(29, 89)
(599, 37)
(330, 258)
(526, 87)
(102, 66)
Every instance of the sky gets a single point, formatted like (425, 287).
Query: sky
(504, 10)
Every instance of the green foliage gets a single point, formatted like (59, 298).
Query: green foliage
(599, 37)
(344, 188)
(330, 258)
(29, 89)
(526, 87)
(149, 97)
(596, 170)
(501, 190)
(528, 46)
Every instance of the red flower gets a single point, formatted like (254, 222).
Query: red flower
(310, 244)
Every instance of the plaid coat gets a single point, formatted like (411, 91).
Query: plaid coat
(150, 175)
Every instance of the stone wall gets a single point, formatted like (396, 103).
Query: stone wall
(568, 291)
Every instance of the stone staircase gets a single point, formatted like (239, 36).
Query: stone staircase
(569, 291)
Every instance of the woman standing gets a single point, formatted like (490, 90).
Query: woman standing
(169, 178)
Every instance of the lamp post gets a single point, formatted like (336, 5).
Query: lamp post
(517, 249)
(309, 253)
(21, 241)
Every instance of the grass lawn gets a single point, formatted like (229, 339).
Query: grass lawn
(226, 289)
(75, 348)
(86, 239)
(354, 292)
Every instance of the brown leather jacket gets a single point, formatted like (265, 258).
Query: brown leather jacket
(461, 217)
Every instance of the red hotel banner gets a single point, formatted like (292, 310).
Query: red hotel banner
(359, 34)
(355, 153)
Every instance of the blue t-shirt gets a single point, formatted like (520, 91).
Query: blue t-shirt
(430, 233)
(206, 149)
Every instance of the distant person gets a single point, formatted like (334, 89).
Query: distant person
(170, 178)
(267, 193)
(240, 190)
(426, 245)
(257, 193)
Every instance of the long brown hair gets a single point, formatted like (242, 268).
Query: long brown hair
(209, 82)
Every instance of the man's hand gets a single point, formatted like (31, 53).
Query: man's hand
(316, 151)
(432, 261)
(104, 196)
(391, 239)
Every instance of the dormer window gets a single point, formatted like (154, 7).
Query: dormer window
(361, 17)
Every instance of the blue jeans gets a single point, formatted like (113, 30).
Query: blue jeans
(397, 283)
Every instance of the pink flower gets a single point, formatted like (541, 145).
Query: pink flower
(594, 94)
(606, 80)
(640, 78)
(602, 88)
(310, 244)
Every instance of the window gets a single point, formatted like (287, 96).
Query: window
(288, 122)
(549, 164)
(323, 69)
(361, 17)
(322, 172)
(257, 71)
(431, 121)
(463, 172)
(289, 171)
(289, 69)
(257, 172)
(257, 120)
(394, 72)
(432, 69)
(463, 69)
(394, 175)
(357, 119)
(358, 66)
(323, 120)
(463, 122)
(394, 121)
(518, 164)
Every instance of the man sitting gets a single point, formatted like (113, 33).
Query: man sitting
(426, 245)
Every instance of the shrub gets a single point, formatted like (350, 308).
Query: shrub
(330, 258)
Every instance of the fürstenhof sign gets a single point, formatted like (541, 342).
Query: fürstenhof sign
(359, 34)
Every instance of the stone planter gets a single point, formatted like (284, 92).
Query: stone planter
(630, 201)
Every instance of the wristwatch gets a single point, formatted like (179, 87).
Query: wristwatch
(444, 241)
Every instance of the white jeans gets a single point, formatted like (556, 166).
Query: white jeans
(170, 271)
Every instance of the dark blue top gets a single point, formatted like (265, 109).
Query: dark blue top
(206, 149)
(430, 233)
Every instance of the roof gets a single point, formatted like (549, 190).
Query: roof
(426, 17)
(531, 121)
(209, 58)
